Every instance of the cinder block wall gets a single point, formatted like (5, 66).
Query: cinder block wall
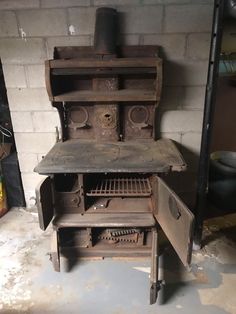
(30, 29)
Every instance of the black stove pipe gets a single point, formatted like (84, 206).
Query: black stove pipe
(105, 35)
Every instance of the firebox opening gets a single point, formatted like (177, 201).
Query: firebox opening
(121, 185)
(119, 192)
(93, 238)
(96, 193)
(65, 182)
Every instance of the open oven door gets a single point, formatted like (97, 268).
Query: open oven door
(44, 201)
(175, 219)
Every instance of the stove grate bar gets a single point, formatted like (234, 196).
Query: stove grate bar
(122, 187)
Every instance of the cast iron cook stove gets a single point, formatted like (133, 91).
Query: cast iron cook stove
(104, 192)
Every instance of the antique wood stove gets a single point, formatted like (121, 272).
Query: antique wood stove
(104, 192)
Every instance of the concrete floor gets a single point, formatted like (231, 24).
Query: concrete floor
(29, 285)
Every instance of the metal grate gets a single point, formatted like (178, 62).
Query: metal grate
(122, 187)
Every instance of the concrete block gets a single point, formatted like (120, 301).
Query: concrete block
(164, 1)
(8, 24)
(129, 39)
(140, 20)
(18, 4)
(171, 97)
(193, 97)
(27, 161)
(30, 182)
(43, 22)
(192, 141)
(45, 121)
(202, 1)
(63, 3)
(115, 2)
(40, 157)
(28, 99)
(14, 75)
(53, 42)
(20, 51)
(172, 46)
(185, 72)
(181, 121)
(35, 75)
(22, 121)
(198, 46)
(188, 18)
(34, 142)
(167, 2)
(125, 39)
(82, 20)
(172, 136)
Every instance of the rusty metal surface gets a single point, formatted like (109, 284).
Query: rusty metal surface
(140, 75)
(121, 186)
(110, 220)
(109, 122)
(116, 235)
(107, 197)
(132, 156)
(154, 284)
(175, 219)
(106, 120)
(55, 253)
(78, 52)
(79, 121)
(122, 204)
(44, 201)
(105, 241)
(68, 193)
(139, 121)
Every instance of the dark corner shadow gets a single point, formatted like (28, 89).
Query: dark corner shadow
(172, 275)
(69, 251)
(229, 233)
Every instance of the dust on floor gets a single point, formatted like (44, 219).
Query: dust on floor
(28, 283)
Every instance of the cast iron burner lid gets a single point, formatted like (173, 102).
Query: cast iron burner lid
(86, 156)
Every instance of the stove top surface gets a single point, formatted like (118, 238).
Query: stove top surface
(86, 156)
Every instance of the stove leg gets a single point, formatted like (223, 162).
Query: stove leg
(55, 255)
(154, 283)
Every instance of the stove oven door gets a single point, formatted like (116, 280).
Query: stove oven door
(175, 219)
(44, 201)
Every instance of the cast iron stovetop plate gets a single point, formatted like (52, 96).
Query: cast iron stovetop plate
(86, 156)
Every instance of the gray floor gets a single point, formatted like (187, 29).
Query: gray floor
(29, 285)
